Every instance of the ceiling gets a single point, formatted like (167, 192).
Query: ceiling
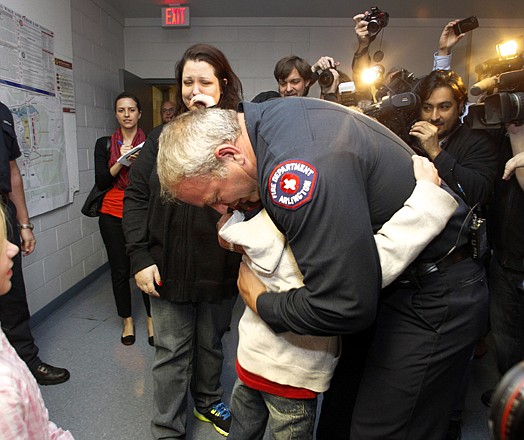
(326, 8)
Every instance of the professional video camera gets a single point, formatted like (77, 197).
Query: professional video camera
(506, 105)
(377, 20)
(502, 81)
(398, 105)
(496, 66)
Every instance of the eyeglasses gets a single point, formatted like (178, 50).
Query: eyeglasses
(168, 110)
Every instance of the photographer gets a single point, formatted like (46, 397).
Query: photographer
(325, 70)
(361, 58)
(466, 159)
(295, 76)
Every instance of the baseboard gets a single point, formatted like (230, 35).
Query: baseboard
(44, 312)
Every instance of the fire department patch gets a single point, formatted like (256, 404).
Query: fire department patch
(291, 183)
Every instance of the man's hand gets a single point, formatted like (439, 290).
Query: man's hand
(327, 63)
(448, 39)
(324, 63)
(427, 134)
(425, 170)
(361, 29)
(28, 241)
(146, 279)
(249, 286)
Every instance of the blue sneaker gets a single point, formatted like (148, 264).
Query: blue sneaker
(218, 414)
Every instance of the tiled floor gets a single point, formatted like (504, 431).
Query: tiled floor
(109, 395)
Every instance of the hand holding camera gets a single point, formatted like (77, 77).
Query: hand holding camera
(376, 20)
(448, 38)
(325, 69)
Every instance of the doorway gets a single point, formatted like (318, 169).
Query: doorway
(151, 93)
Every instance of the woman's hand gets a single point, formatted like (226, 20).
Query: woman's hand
(201, 101)
(147, 278)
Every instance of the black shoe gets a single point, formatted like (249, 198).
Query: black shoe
(454, 430)
(46, 374)
(486, 397)
(151, 341)
(218, 415)
(129, 339)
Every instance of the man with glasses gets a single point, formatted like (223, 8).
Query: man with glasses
(167, 112)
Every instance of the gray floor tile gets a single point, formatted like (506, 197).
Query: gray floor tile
(109, 395)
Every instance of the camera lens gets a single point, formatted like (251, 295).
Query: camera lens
(374, 27)
(326, 78)
(506, 419)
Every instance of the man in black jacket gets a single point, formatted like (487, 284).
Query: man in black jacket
(466, 159)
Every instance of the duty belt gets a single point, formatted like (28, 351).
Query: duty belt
(419, 269)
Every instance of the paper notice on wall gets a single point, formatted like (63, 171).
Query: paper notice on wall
(64, 85)
(27, 54)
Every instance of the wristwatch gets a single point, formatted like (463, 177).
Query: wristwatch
(26, 226)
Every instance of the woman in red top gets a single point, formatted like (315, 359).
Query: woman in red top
(109, 173)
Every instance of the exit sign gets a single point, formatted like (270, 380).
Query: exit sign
(175, 16)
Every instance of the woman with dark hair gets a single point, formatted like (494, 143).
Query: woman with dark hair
(229, 86)
(176, 258)
(109, 173)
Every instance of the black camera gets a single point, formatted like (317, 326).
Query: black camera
(377, 20)
(506, 105)
(398, 104)
(325, 77)
(496, 66)
(506, 417)
(396, 112)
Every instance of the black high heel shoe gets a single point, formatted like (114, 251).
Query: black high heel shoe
(129, 339)
(151, 337)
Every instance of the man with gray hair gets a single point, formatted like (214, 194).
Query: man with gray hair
(329, 178)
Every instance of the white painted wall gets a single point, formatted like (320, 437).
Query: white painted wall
(254, 45)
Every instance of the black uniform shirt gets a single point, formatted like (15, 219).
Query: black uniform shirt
(330, 177)
(9, 149)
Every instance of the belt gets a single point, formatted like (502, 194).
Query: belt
(419, 269)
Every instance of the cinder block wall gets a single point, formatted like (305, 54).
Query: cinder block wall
(69, 245)
(254, 45)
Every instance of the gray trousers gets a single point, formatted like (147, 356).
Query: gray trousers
(188, 356)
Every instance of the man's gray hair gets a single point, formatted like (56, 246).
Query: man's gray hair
(187, 145)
